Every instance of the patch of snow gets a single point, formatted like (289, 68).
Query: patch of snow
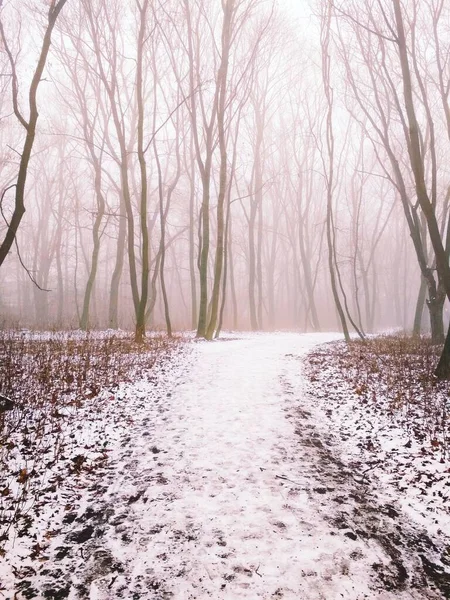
(217, 485)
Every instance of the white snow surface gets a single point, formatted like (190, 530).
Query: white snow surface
(209, 491)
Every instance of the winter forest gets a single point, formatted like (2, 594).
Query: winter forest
(193, 194)
(247, 165)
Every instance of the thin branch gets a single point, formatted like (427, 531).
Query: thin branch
(377, 33)
(248, 195)
(155, 133)
(27, 270)
(15, 83)
(2, 197)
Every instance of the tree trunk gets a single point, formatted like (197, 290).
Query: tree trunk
(113, 316)
(228, 8)
(325, 32)
(142, 304)
(193, 281)
(417, 327)
(203, 306)
(417, 167)
(84, 320)
(252, 267)
(436, 310)
(442, 371)
(29, 126)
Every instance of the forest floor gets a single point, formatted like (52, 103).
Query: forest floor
(255, 466)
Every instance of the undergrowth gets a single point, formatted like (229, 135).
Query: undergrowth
(394, 373)
(45, 382)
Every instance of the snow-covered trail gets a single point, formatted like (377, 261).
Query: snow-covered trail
(220, 488)
(235, 527)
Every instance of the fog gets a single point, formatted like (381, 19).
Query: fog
(207, 165)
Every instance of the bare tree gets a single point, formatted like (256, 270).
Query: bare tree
(328, 161)
(28, 123)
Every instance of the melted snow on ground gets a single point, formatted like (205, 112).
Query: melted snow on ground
(220, 485)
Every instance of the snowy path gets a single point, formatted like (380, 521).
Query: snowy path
(220, 488)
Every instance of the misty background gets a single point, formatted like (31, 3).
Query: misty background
(245, 164)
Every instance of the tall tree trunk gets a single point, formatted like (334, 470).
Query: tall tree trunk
(29, 125)
(259, 262)
(252, 266)
(142, 304)
(443, 366)
(204, 254)
(84, 320)
(418, 313)
(113, 312)
(325, 41)
(192, 268)
(232, 278)
(225, 262)
(436, 310)
(228, 9)
(417, 167)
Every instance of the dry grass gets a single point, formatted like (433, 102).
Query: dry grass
(50, 378)
(394, 372)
